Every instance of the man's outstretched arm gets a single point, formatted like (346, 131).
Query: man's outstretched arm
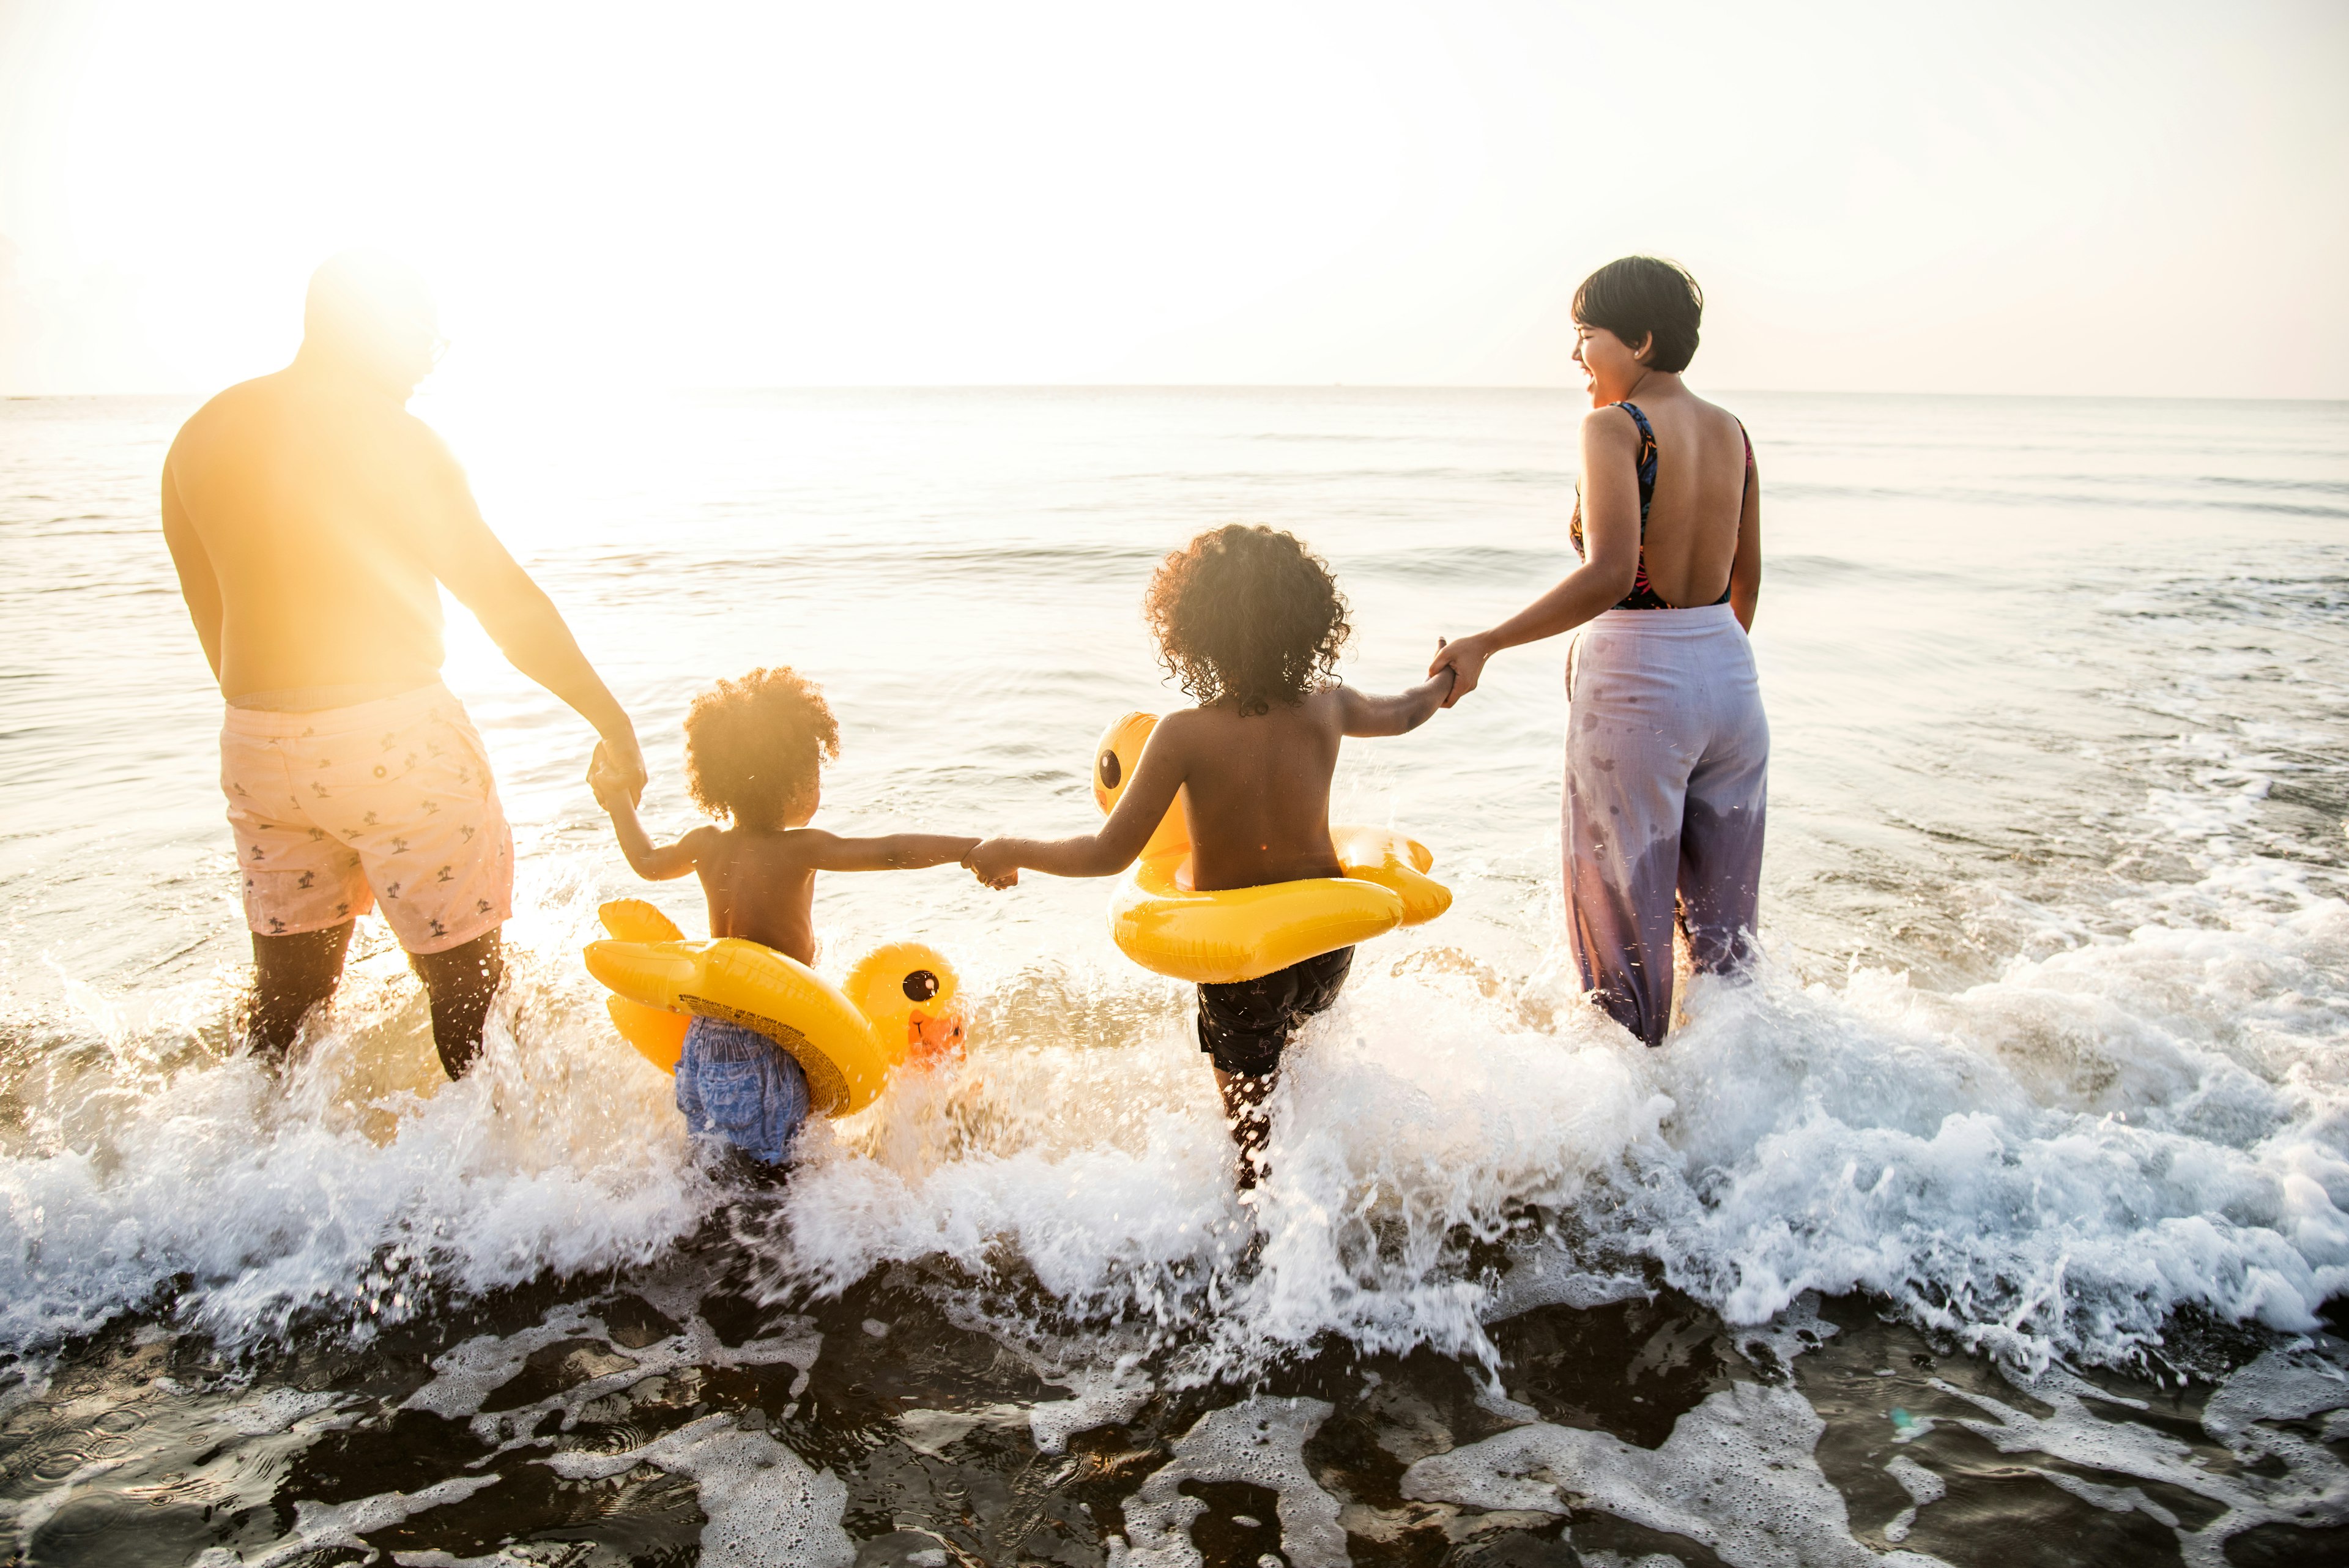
(523, 622)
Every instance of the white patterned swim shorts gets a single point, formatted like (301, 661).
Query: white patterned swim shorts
(392, 800)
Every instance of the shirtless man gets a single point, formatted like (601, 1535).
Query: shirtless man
(313, 520)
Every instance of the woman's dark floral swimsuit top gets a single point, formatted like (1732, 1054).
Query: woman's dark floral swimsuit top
(1642, 596)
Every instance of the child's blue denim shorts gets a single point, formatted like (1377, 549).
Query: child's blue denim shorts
(735, 1084)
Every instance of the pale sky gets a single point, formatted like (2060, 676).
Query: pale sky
(2067, 198)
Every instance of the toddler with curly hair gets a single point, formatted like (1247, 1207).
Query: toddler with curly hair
(754, 748)
(1249, 623)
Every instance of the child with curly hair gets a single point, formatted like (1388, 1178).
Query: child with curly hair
(754, 748)
(1250, 623)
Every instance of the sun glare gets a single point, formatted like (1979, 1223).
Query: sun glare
(762, 194)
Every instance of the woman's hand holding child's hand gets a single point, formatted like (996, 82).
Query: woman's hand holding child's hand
(1464, 657)
(993, 862)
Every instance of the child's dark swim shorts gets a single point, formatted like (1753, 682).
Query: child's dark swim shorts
(1245, 1025)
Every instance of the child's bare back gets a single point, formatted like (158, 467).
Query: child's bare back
(760, 883)
(1256, 786)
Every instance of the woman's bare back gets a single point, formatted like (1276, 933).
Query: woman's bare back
(1691, 539)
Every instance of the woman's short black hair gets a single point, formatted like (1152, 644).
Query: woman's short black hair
(1640, 295)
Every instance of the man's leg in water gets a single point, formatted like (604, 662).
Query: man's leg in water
(460, 983)
(291, 975)
(1244, 1111)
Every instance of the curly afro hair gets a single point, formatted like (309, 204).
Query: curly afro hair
(1247, 614)
(753, 747)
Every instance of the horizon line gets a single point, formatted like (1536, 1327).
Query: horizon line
(721, 390)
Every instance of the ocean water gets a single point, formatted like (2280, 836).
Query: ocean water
(1994, 1219)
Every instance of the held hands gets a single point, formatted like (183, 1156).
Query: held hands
(1464, 657)
(623, 756)
(618, 782)
(994, 863)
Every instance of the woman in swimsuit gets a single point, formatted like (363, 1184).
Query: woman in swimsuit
(1667, 751)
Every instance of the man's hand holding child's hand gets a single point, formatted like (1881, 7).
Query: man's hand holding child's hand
(992, 863)
(611, 783)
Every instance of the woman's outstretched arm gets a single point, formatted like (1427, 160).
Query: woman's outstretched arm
(1611, 530)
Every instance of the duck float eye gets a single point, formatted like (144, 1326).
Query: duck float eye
(920, 986)
(1111, 770)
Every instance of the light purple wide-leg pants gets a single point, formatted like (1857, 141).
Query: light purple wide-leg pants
(1667, 771)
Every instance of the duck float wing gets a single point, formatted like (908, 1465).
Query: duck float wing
(1396, 863)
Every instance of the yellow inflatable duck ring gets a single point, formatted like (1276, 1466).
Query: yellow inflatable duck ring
(1159, 922)
(899, 1001)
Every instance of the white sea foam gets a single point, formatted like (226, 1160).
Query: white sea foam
(1105, 1395)
(766, 1508)
(1736, 1475)
(2282, 1478)
(358, 1189)
(2281, 1385)
(1922, 1486)
(319, 1526)
(2047, 1164)
(465, 1375)
(1261, 1442)
(1737, 1472)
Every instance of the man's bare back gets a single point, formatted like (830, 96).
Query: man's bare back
(327, 516)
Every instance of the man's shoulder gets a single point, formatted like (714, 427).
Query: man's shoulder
(224, 419)
(228, 407)
(278, 396)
